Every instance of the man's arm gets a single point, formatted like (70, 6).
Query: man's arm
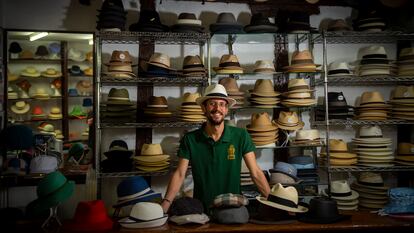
(257, 174)
(175, 183)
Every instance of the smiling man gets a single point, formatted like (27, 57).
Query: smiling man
(215, 152)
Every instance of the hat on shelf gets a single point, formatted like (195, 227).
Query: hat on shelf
(15, 166)
(338, 25)
(11, 93)
(46, 128)
(41, 52)
(297, 22)
(159, 65)
(193, 66)
(89, 56)
(51, 73)
(76, 55)
(77, 112)
(307, 137)
(88, 71)
(187, 22)
(120, 65)
(149, 21)
(226, 23)
(262, 129)
(322, 210)
(37, 113)
(371, 106)
(118, 149)
(405, 154)
(298, 94)
(190, 110)
(216, 91)
(55, 113)
(283, 198)
(339, 154)
(283, 173)
(339, 68)
(229, 64)
(26, 54)
(157, 107)
(84, 87)
(20, 107)
(75, 70)
(289, 121)
(15, 47)
(230, 84)
(373, 60)
(54, 49)
(260, 24)
(73, 92)
(302, 61)
(263, 94)
(11, 77)
(406, 62)
(87, 102)
(40, 93)
(133, 190)
(145, 215)
(152, 158)
(30, 71)
(112, 16)
(370, 20)
(118, 97)
(264, 67)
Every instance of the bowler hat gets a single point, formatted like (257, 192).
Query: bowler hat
(322, 210)
(134, 189)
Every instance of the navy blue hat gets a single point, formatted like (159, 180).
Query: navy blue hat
(285, 168)
(133, 190)
(87, 102)
(73, 92)
(17, 137)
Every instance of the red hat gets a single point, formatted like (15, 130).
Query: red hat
(90, 216)
(37, 110)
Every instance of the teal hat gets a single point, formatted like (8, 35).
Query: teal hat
(76, 151)
(52, 190)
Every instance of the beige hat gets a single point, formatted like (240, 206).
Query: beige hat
(298, 85)
(264, 88)
(307, 135)
(119, 58)
(371, 99)
(340, 190)
(289, 121)
(11, 77)
(283, 198)
(51, 73)
(151, 149)
(161, 60)
(405, 148)
(231, 86)
(370, 180)
(55, 113)
(20, 107)
(30, 72)
(229, 63)
(402, 94)
(264, 67)
(338, 149)
(261, 122)
(301, 61)
(40, 93)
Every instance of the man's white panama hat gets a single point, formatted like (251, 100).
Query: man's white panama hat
(216, 91)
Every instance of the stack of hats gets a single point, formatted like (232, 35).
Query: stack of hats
(372, 107)
(341, 192)
(229, 64)
(298, 94)
(11, 93)
(233, 91)
(40, 93)
(186, 210)
(263, 94)
(306, 170)
(230, 208)
(289, 121)
(402, 101)
(302, 61)
(38, 114)
(339, 68)
(339, 154)
(374, 61)
(406, 62)
(189, 109)
(373, 194)
(263, 130)
(283, 173)
(144, 215)
(120, 65)
(338, 108)
(118, 157)
(369, 20)
(46, 128)
(152, 159)
(307, 137)
(193, 66)
(84, 87)
(55, 114)
(133, 190)
(260, 24)
(157, 108)
(245, 178)
(159, 65)
(372, 148)
(118, 105)
(149, 21)
(264, 67)
(112, 16)
(187, 22)
(226, 23)
(338, 25)
(405, 154)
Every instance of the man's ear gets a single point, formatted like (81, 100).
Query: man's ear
(203, 107)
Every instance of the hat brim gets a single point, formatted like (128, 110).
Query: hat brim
(260, 28)
(299, 209)
(354, 195)
(25, 109)
(129, 223)
(189, 218)
(150, 196)
(299, 126)
(231, 102)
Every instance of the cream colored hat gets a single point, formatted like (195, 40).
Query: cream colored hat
(283, 198)
(216, 91)
(30, 72)
(289, 121)
(229, 63)
(20, 107)
(161, 60)
(264, 67)
(51, 73)
(340, 190)
(307, 135)
(264, 88)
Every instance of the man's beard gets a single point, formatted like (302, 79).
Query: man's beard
(212, 120)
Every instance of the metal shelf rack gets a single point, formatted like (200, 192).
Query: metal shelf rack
(367, 80)
(362, 122)
(353, 37)
(134, 173)
(172, 124)
(371, 169)
(157, 81)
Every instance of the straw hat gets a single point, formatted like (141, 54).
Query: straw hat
(20, 107)
(264, 88)
(289, 121)
(298, 85)
(84, 86)
(51, 73)
(228, 64)
(193, 64)
(338, 149)
(284, 198)
(301, 61)
(216, 91)
(30, 72)
(402, 94)
(76, 55)
(118, 97)
(88, 71)
(371, 99)
(40, 93)
(338, 69)
(55, 113)
(371, 180)
(260, 122)
(160, 60)
(264, 67)
(11, 77)
(231, 86)
(307, 135)
(340, 190)
(405, 148)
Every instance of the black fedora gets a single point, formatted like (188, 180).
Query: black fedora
(260, 24)
(149, 21)
(322, 210)
(226, 23)
(268, 215)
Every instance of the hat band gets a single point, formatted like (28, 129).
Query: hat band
(139, 220)
(193, 66)
(371, 136)
(341, 194)
(339, 71)
(120, 61)
(302, 87)
(217, 94)
(304, 61)
(281, 201)
(189, 103)
(134, 195)
(375, 56)
(226, 64)
(371, 184)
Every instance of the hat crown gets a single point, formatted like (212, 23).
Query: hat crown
(289, 193)
(288, 117)
(130, 186)
(74, 53)
(50, 183)
(149, 17)
(370, 131)
(118, 144)
(20, 104)
(31, 70)
(264, 64)
(118, 93)
(229, 58)
(302, 55)
(285, 168)
(90, 212)
(340, 186)
(157, 100)
(297, 83)
(259, 19)
(308, 134)
(338, 24)
(192, 60)
(405, 148)
(146, 211)
(160, 58)
(370, 177)
(54, 47)
(187, 16)
(230, 84)
(338, 145)
(55, 110)
(372, 50)
(323, 207)
(51, 71)
(226, 17)
(371, 97)
(151, 149)
(260, 120)
(37, 110)
(190, 97)
(402, 92)
(216, 89)
(338, 65)
(406, 52)
(120, 56)
(264, 86)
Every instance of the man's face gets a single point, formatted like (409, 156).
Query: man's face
(215, 110)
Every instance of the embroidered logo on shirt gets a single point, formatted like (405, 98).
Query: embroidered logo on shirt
(231, 152)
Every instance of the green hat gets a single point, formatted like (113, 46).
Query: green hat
(52, 190)
(77, 112)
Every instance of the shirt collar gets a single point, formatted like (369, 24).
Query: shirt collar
(225, 137)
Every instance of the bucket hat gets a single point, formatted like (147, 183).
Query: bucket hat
(75, 70)
(322, 210)
(260, 24)
(73, 92)
(87, 102)
(187, 22)
(284, 198)
(76, 55)
(41, 51)
(43, 164)
(17, 137)
(30, 72)
(20, 107)
(52, 190)
(145, 215)
(37, 113)
(340, 190)
(226, 23)
(264, 67)
(149, 21)
(229, 64)
(289, 121)
(89, 216)
(215, 91)
(77, 112)
(134, 189)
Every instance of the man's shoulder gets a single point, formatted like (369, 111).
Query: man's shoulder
(193, 133)
(236, 130)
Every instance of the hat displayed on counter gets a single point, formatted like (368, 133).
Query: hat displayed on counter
(135, 189)
(264, 67)
(76, 55)
(145, 215)
(226, 23)
(187, 210)
(52, 190)
(229, 64)
(226, 200)
(289, 121)
(338, 68)
(338, 25)
(189, 109)
(193, 66)
(302, 61)
(149, 21)
(84, 87)
(75, 70)
(41, 52)
(322, 210)
(51, 73)
(20, 107)
(284, 198)
(373, 192)
(89, 216)
(283, 173)
(401, 202)
(216, 91)
(30, 71)
(260, 24)
(120, 65)
(43, 164)
(112, 16)
(55, 113)
(187, 22)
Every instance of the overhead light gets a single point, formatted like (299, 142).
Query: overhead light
(91, 42)
(38, 35)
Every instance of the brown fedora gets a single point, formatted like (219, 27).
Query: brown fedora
(119, 58)
(264, 88)
(302, 61)
(231, 86)
(289, 121)
(229, 63)
(118, 97)
(160, 60)
(261, 122)
(192, 64)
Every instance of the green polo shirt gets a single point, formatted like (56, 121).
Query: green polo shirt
(215, 165)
